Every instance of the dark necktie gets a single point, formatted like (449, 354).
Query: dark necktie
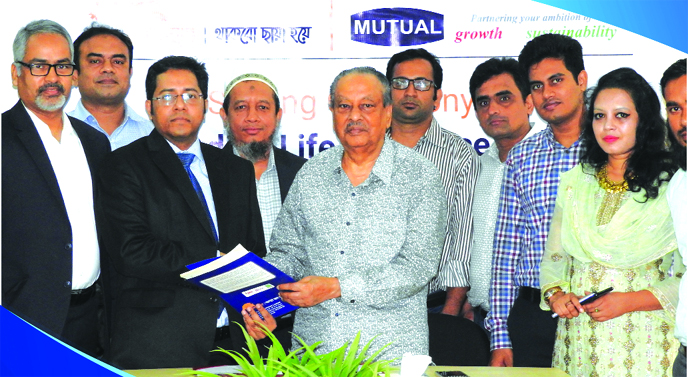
(187, 159)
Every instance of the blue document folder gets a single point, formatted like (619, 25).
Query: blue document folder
(242, 279)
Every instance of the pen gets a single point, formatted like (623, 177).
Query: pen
(590, 298)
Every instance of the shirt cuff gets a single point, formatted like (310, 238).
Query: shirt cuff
(454, 274)
(351, 288)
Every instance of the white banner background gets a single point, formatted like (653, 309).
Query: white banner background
(304, 71)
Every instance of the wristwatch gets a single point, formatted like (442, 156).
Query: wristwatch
(551, 292)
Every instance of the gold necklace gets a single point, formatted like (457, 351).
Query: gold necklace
(607, 184)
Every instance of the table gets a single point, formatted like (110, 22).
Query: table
(501, 372)
(470, 371)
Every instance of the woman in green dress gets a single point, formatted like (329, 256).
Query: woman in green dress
(612, 228)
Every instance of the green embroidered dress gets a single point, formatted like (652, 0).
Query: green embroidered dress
(600, 239)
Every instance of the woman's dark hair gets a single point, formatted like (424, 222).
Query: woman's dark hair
(650, 162)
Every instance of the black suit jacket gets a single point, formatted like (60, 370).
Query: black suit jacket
(287, 165)
(153, 226)
(36, 232)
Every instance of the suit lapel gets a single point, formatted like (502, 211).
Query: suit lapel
(170, 165)
(27, 134)
(86, 144)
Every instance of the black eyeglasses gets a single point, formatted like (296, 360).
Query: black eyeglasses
(170, 99)
(402, 83)
(42, 69)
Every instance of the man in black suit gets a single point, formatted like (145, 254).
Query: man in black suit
(50, 251)
(167, 201)
(251, 115)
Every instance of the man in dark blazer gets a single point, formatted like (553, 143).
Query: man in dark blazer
(50, 251)
(158, 215)
(251, 115)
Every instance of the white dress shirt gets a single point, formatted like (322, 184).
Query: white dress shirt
(485, 206)
(74, 180)
(676, 195)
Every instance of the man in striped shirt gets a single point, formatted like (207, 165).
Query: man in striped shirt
(416, 79)
(522, 334)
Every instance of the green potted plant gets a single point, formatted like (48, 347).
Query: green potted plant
(303, 362)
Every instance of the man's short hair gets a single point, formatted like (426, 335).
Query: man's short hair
(386, 89)
(674, 71)
(412, 54)
(176, 62)
(554, 46)
(494, 67)
(98, 29)
(34, 28)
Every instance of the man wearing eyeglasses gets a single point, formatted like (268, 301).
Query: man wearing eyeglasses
(416, 79)
(103, 58)
(168, 200)
(50, 251)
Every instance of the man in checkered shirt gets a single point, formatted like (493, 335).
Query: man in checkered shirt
(522, 334)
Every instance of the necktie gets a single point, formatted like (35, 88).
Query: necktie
(187, 159)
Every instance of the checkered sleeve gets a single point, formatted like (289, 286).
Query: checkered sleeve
(507, 245)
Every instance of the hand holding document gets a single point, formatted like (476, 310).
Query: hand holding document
(242, 279)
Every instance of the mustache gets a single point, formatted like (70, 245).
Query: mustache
(496, 117)
(352, 124)
(47, 86)
(410, 99)
(108, 76)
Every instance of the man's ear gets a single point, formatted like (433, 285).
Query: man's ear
(438, 99)
(75, 79)
(583, 80)
(15, 76)
(149, 109)
(529, 104)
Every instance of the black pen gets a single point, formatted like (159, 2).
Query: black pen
(590, 298)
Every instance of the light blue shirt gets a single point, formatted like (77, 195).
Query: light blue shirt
(133, 128)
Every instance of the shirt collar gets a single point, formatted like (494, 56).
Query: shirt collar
(552, 143)
(383, 167)
(80, 112)
(432, 135)
(271, 157)
(195, 149)
(492, 152)
(43, 129)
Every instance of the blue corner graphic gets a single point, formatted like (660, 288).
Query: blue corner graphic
(665, 21)
(27, 351)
